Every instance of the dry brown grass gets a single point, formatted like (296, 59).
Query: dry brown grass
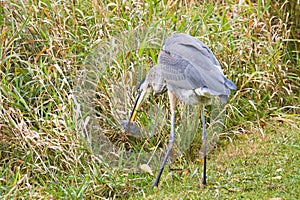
(45, 46)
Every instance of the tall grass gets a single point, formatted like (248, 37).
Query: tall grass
(44, 46)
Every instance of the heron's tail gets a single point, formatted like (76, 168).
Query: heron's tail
(230, 84)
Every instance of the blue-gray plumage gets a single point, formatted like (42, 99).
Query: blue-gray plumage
(191, 73)
(187, 67)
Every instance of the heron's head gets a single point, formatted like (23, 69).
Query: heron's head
(153, 81)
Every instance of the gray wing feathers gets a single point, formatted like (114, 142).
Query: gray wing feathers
(189, 64)
(182, 77)
(189, 46)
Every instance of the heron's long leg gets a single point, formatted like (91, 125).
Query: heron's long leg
(172, 98)
(204, 137)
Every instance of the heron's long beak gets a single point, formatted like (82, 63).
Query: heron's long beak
(138, 102)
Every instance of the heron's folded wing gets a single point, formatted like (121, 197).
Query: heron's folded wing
(182, 73)
(189, 47)
(183, 76)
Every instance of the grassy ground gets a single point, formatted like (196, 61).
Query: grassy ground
(253, 167)
(44, 48)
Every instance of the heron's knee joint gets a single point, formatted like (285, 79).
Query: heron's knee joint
(172, 139)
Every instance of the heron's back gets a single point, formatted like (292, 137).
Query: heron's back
(191, 71)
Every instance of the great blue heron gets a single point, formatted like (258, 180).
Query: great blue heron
(191, 73)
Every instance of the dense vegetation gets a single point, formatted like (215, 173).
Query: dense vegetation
(47, 47)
